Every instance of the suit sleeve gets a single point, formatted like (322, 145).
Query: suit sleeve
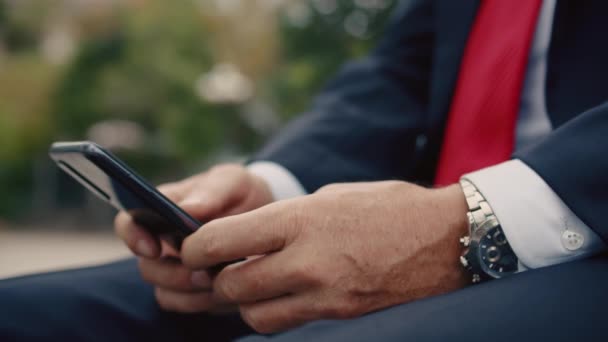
(573, 161)
(364, 125)
(539, 226)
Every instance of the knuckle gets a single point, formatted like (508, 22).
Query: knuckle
(223, 169)
(307, 273)
(326, 188)
(229, 290)
(241, 181)
(188, 252)
(179, 280)
(210, 247)
(213, 200)
(331, 187)
(397, 184)
(197, 250)
(296, 218)
(255, 283)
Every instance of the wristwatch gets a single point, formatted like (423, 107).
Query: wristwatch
(488, 254)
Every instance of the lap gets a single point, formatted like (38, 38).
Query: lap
(112, 303)
(105, 303)
(565, 302)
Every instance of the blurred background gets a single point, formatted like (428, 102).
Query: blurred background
(170, 86)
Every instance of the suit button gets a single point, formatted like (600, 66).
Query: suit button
(572, 241)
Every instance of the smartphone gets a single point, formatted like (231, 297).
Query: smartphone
(114, 182)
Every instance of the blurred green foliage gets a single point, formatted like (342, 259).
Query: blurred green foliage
(140, 61)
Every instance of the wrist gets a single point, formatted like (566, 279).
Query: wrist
(452, 212)
(453, 209)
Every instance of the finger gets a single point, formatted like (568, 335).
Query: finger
(176, 191)
(262, 278)
(168, 250)
(214, 196)
(172, 275)
(279, 314)
(136, 238)
(214, 193)
(257, 232)
(212, 209)
(185, 302)
(204, 207)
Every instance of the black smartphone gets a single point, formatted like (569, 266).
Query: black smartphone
(115, 183)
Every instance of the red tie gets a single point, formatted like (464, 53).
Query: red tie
(480, 130)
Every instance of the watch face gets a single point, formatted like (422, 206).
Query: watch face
(496, 256)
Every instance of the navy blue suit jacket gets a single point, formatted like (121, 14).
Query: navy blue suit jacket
(383, 117)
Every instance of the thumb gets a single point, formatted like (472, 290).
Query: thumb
(203, 206)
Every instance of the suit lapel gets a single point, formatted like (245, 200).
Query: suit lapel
(453, 21)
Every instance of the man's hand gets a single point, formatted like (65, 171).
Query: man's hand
(344, 251)
(222, 191)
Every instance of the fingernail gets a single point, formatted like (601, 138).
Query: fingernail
(143, 248)
(200, 279)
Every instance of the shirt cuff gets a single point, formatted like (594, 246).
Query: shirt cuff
(283, 184)
(540, 228)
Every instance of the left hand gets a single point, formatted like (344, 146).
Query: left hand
(224, 190)
(341, 252)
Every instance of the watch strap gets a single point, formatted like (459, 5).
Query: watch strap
(479, 209)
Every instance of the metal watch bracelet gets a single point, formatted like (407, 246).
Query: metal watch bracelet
(488, 254)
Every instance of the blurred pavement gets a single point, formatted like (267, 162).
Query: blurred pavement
(32, 251)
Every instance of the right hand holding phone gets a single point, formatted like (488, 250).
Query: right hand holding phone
(222, 191)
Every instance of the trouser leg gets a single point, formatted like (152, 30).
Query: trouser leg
(568, 302)
(104, 303)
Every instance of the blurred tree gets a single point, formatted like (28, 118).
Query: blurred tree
(143, 61)
(2, 14)
(25, 87)
(144, 70)
(24, 23)
(318, 36)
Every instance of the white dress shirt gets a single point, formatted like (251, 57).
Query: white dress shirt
(540, 228)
